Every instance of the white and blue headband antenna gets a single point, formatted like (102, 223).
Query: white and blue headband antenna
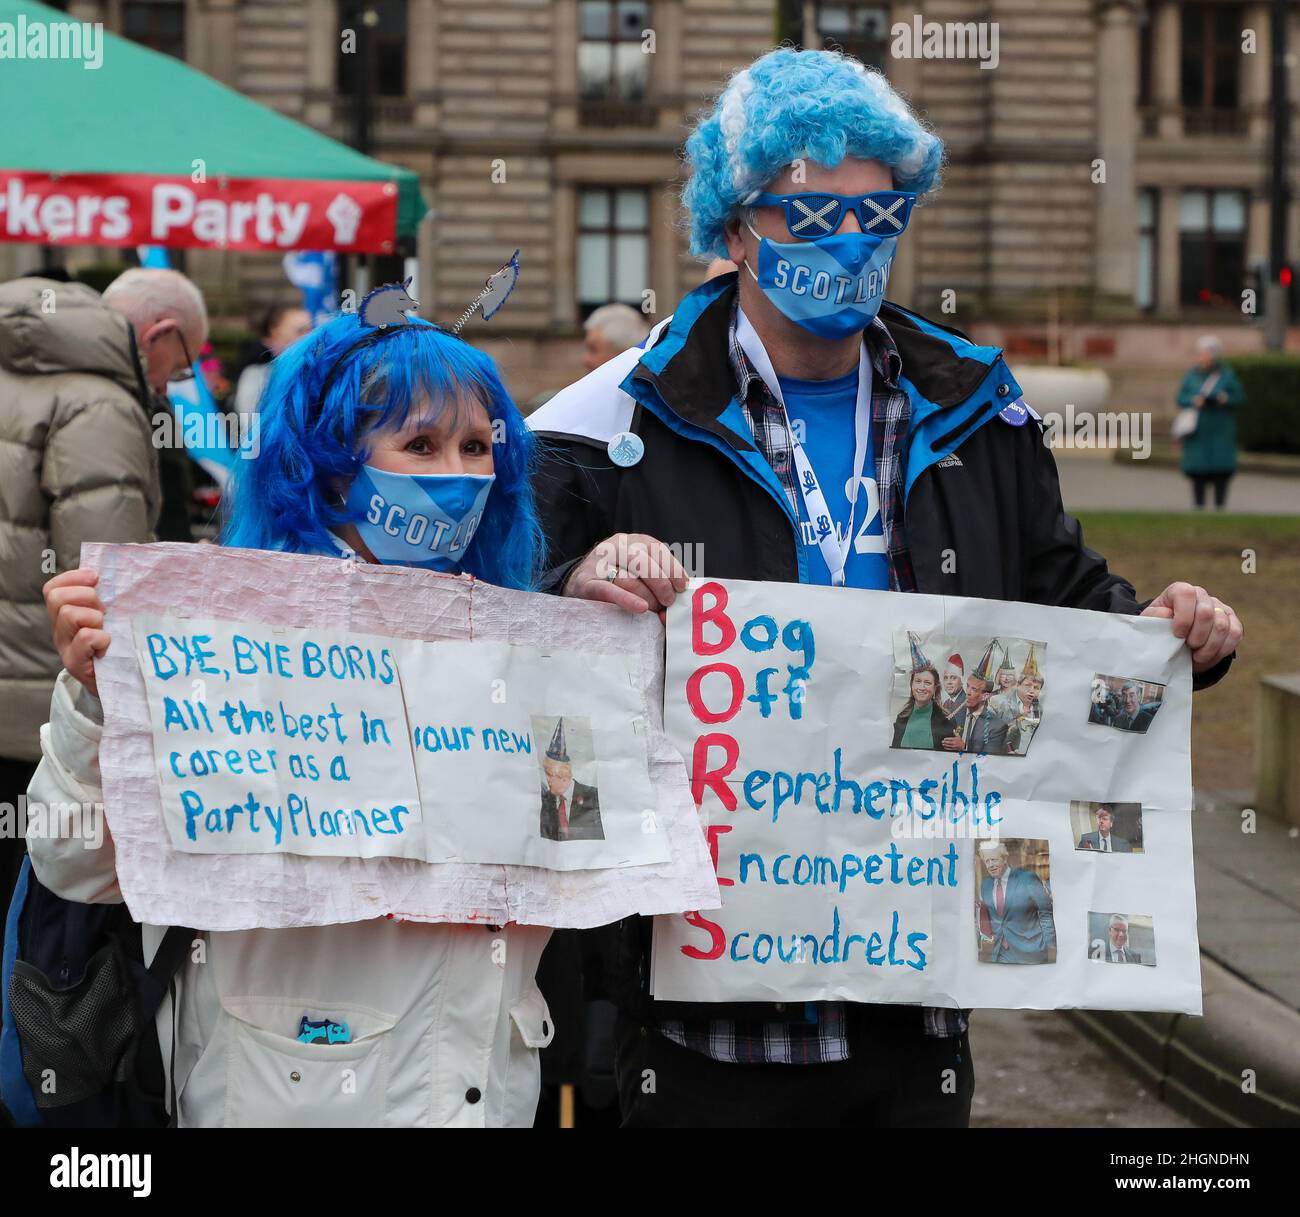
(388, 305)
(494, 293)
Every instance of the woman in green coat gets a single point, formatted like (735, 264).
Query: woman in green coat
(1208, 401)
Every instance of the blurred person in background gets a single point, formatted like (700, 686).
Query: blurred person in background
(1206, 424)
(281, 327)
(78, 377)
(610, 331)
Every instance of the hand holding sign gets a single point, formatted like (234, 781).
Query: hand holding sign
(77, 622)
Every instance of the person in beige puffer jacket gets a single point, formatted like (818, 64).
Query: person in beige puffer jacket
(77, 463)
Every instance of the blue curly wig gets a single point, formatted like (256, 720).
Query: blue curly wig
(285, 497)
(820, 106)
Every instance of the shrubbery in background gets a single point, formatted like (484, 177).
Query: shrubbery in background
(1270, 419)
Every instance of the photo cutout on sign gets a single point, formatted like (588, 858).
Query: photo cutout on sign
(1122, 938)
(570, 807)
(1107, 828)
(1126, 703)
(963, 694)
(1013, 902)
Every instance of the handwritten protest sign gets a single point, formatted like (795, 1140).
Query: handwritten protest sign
(261, 736)
(922, 799)
(485, 757)
(294, 740)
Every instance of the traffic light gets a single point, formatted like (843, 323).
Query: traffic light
(1286, 280)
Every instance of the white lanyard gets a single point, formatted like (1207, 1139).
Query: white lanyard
(835, 551)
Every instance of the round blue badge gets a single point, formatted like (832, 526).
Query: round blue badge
(1017, 413)
(625, 449)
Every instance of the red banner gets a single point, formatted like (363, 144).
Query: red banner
(272, 214)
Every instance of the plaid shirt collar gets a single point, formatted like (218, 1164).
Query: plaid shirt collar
(885, 359)
(890, 416)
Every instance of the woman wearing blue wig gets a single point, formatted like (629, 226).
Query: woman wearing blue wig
(398, 444)
(393, 443)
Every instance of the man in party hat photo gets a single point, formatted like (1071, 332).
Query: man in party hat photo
(953, 699)
(570, 809)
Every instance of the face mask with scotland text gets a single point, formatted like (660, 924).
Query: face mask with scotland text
(418, 519)
(833, 286)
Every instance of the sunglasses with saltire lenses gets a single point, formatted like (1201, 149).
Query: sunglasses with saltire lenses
(882, 213)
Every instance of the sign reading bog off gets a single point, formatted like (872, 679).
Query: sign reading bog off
(945, 801)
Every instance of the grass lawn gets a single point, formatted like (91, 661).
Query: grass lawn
(1152, 551)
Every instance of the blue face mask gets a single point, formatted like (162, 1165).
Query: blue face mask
(418, 519)
(833, 287)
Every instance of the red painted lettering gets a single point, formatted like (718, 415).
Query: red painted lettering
(716, 614)
(717, 939)
(714, 779)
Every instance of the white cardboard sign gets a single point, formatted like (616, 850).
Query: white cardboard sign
(874, 844)
(295, 740)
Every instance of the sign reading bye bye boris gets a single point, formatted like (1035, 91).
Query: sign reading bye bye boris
(300, 740)
(317, 742)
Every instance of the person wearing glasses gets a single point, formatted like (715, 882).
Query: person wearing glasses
(790, 424)
(77, 463)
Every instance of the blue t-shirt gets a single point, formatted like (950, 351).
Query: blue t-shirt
(821, 415)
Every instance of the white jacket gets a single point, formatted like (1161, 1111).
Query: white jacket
(446, 1020)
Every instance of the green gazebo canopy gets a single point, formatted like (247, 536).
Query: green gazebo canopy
(109, 143)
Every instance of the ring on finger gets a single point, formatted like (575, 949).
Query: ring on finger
(612, 575)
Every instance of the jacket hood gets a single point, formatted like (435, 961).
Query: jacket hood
(80, 333)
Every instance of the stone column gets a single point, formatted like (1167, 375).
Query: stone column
(564, 258)
(564, 78)
(1293, 78)
(426, 249)
(664, 250)
(1256, 73)
(92, 11)
(1166, 68)
(1167, 273)
(323, 29)
(212, 29)
(1117, 88)
(668, 22)
(905, 76)
(422, 63)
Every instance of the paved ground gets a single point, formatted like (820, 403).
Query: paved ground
(1035, 1069)
(1095, 482)
(1248, 896)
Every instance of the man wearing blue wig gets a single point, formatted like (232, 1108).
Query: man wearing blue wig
(790, 424)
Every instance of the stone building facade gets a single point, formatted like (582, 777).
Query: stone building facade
(1113, 163)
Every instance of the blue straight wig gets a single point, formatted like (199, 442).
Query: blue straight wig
(820, 106)
(285, 489)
